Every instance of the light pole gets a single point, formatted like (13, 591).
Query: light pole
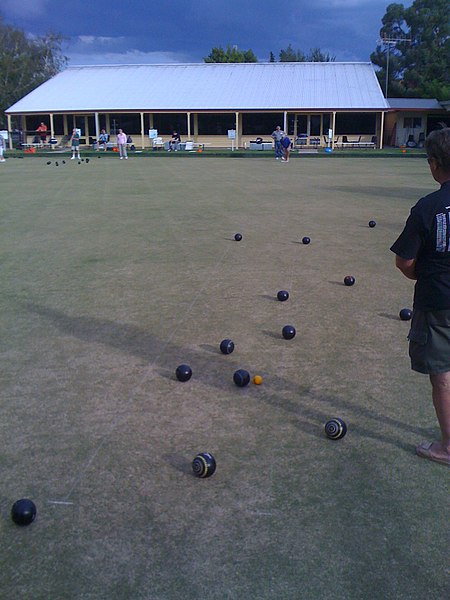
(388, 42)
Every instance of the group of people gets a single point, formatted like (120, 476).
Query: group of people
(122, 141)
(282, 144)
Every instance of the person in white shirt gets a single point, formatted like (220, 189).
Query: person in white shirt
(2, 148)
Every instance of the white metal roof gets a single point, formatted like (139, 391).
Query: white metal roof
(208, 86)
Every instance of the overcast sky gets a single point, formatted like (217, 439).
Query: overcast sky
(173, 31)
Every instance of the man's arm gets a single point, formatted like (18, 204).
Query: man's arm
(406, 266)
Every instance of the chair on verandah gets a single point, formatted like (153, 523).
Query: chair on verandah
(158, 143)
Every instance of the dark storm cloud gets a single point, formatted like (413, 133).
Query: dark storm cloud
(112, 31)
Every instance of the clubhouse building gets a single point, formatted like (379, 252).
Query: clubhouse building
(217, 105)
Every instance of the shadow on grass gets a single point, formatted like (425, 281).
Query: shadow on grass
(167, 373)
(272, 334)
(210, 348)
(150, 348)
(179, 462)
(389, 316)
(402, 192)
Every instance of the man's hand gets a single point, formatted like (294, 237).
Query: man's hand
(406, 266)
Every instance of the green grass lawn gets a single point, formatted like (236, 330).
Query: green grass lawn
(112, 273)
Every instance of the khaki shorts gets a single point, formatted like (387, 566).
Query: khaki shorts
(429, 341)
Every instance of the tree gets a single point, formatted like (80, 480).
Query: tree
(271, 57)
(413, 61)
(315, 55)
(291, 55)
(26, 62)
(230, 55)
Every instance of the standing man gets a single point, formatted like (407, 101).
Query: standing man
(2, 148)
(423, 254)
(75, 143)
(277, 135)
(122, 143)
(42, 131)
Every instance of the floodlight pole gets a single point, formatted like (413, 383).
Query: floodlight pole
(387, 42)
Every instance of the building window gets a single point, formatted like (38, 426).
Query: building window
(261, 123)
(356, 123)
(412, 122)
(216, 124)
(129, 122)
(167, 123)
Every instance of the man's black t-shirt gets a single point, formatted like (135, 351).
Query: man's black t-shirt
(426, 238)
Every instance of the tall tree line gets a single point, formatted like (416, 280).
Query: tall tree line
(233, 55)
(25, 63)
(414, 58)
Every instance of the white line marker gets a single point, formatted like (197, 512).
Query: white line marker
(60, 502)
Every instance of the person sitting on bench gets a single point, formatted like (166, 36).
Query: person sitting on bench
(102, 140)
(174, 143)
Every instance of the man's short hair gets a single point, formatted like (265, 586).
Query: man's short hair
(437, 146)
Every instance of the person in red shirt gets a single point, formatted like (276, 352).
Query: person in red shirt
(42, 131)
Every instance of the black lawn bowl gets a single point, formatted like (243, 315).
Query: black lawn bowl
(349, 280)
(306, 240)
(238, 237)
(288, 332)
(241, 377)
(183, 372)
(23, 512)
(282, 295)
(226, 346)
(405, 314)
(372, 224)
(335, 429)
(204, 465)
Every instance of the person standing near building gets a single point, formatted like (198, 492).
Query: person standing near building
(2, 148)
(75, 143)
(277, 136)
(122, 143)
(42, 132)
(423, 254)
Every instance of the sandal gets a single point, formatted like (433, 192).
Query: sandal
(425, 451)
